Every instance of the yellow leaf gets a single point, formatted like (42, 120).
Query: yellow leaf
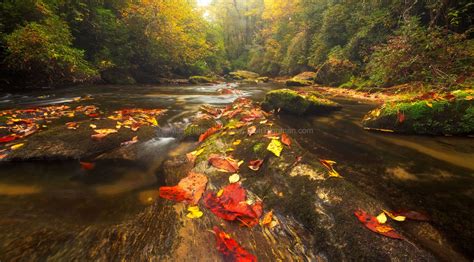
(382, 218)
(237, 142)
(234, 178)
(396, 218)
(219, 194)
(194, 212)
(240, 162)
(197, 152)
(429, 104)
(15, 147)
(334, 173)
(93, 126)
(275, 147)
(153, 121)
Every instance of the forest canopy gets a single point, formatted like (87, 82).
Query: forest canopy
(349, 43)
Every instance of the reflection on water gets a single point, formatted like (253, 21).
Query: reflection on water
(434, 174)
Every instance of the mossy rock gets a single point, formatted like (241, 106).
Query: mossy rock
(243, 75)
(200, 80)
(298, 103)
(308, 75)
(298, 82)
(263, 79)
(446, 114)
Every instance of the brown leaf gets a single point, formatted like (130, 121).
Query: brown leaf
(251, 130)
(224, 163)
(255, 164)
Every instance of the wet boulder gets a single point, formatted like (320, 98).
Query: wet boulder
(298, 102)
(429, 114)
(243, 75)
(201, 80)
(302, 79)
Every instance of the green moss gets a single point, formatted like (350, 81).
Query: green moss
(437, 116)
(298, 82)
(297, 103)
(200, 80)
(242, 75)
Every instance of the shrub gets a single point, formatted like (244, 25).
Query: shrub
(417, 53)
(42, 53)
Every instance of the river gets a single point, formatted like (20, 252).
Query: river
(434, 174)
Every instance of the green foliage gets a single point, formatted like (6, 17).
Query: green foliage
(416, 53)
(43, 53)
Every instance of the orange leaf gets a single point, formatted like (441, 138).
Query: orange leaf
(224, 163)
(209, 132)
(189, 189)
(267, 219)
(373, 224)
(285, 139)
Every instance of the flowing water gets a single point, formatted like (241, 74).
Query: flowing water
(434, 174)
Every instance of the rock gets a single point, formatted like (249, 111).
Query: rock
(200, 80)
(243, 75)
(59, 143)
(443, 114)
(298, 82)
(302, 79)
(263, 79)
(308, 75)
(298, 103)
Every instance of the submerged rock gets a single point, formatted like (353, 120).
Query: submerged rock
(298, 103)
(243, 75)
(201, 80)
(429, 114)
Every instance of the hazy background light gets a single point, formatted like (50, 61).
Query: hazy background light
(203, 2)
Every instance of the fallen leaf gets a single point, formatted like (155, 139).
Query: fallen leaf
(285, 139)
(194, 212)
(72, 125)
(382, 218)
(225, 164)
(234, 178)
(267, 219)
(209, 132)
(87, 165)
(372, 224)
(232, 205)
(237, 142)
(251, 130)
(413, 215)
(92, 126)
(255, 164)
(230, 249)
(394, 216)
(400, 117)
(15, 147)
(275, 147)
(130, 142)
(429, 104)
(328, 164)
(189, 189)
